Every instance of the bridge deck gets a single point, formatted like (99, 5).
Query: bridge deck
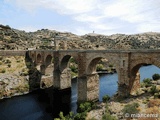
(22, 52)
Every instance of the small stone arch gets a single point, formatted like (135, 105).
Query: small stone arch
(64, 62)
(32, 56)
(39, 58)
(48, 60)
(92, 65)
(48, 65)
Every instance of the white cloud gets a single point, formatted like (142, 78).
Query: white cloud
(61, 6)
(88, 18)
(101, 15)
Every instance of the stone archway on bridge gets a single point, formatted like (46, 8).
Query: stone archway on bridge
(92, 75)
(65, 71)
(64, 63)
(49, 65)
(47, 72)
(38, 62)
(134, 83)
(32, 56)
(39, 58)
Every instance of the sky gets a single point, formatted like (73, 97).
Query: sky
(82, 16)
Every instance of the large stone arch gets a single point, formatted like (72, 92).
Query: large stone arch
(134, 82)
(91, 68)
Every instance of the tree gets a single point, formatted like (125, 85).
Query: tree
(156, 76)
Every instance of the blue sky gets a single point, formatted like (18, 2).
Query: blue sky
(82, 16)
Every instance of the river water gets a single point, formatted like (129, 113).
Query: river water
(33, 106)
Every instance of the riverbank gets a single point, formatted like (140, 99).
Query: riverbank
(13, 85)
(148, 101)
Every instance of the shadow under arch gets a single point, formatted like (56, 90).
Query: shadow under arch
(33, 73)
(47, 72)
(48, 60)
(39, 57)
(64, 62)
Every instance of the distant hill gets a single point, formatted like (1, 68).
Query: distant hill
(13, 39)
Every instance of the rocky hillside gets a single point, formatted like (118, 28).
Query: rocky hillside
(12, 39)
(148, 40)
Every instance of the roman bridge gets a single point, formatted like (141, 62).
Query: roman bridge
(127, 63)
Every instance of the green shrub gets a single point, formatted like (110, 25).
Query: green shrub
(108, 116)
(106, 98)
(74, 68)
(1, 58)
(80, 116)
(7, 61)
(130, 108)
(62, 117)
(72, 60)
(18, 61)
(99, 67)
(157, 95)
(156, 76)
(2, 71)
(9, 65)
(110, 65)
(86, 106)
(153, 89)
(147, 82)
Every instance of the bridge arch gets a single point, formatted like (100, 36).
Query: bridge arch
(64, 62)
(45, 66)
(48, 60)
(91, 67)
(39, 58)
(134, 82)
(64, 71)
(32, 56)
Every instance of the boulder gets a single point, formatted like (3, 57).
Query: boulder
(158, 82)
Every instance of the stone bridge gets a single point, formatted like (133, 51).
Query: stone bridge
(127, 63)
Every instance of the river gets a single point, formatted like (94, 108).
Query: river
(33, 107)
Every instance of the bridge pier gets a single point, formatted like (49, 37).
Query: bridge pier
(134, 83)
(62, 77)
(88, 88)
(62, 80)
